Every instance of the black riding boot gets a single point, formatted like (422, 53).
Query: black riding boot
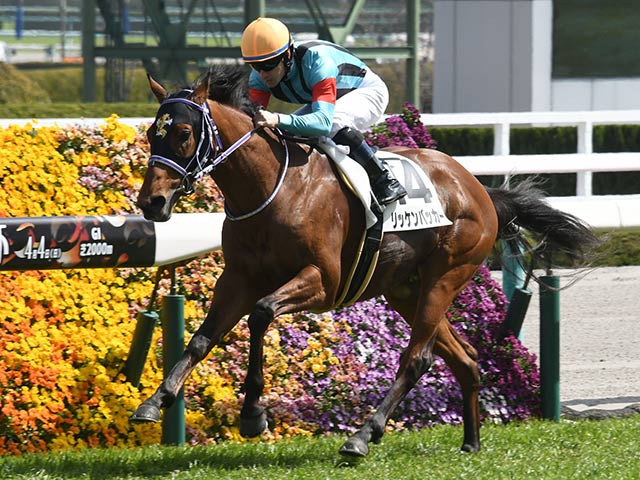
(384, 186)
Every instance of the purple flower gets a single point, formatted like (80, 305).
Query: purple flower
(405, 130)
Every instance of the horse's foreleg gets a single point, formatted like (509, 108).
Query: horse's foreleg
(305, 291)
(253, 418)
(221, 318)
(462, 358)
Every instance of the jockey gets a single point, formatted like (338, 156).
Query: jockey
(339, 93)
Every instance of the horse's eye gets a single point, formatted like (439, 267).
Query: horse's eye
(184, 135)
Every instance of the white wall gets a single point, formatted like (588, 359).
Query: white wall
(492, 55)
(496, 56)
(595, 94)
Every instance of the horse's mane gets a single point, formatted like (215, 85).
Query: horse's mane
(229, 84)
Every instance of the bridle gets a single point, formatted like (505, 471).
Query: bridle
(210, 153)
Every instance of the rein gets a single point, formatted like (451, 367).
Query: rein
(209, 155)
(276, 189)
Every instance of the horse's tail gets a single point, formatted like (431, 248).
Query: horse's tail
(550, 231)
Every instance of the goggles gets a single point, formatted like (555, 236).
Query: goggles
(267, 65)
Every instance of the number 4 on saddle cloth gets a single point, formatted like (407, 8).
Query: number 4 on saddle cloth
(420, 209)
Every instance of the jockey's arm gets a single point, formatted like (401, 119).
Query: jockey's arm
(317, 122)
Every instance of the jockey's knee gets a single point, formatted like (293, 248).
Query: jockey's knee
(348, 136)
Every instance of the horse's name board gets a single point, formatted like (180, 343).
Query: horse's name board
(421, 208)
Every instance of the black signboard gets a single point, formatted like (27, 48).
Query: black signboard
(39, 243)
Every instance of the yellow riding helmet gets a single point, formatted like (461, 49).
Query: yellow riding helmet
(263, 39)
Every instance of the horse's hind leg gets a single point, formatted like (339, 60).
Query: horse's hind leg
(414, 362)
(425, 318)
(462, 359)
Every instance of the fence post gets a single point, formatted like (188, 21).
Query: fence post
(512, 271)
(550, 346)
(515, 289)
(142, 337)
(517, 310)
(173, 423)
(139, 348)
(584, 180)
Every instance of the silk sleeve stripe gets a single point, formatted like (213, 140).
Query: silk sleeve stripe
(259, 96)
(325, 91)
(343, 91)
(351, 70)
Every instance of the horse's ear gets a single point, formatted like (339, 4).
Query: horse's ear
(201, 92)
(158, 90)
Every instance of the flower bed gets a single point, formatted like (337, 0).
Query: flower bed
(65, 334)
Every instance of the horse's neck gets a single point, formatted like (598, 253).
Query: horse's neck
(247, 177)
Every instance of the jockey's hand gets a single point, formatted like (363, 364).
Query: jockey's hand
(265, 118)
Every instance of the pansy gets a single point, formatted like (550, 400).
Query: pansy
(65, 334)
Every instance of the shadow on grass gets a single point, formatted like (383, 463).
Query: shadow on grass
(163, 461)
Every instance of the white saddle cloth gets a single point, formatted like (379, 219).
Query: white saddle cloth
(421, 208)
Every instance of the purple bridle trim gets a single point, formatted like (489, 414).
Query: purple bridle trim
(205, 154)
(212, 157)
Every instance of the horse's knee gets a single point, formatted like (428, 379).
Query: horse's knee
(469, 349)
(261, 316)
(470, 374)
(199, 346)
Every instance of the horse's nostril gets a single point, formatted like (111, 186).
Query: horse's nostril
(156, 204)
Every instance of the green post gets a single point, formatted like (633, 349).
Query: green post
(550, 346)
(173, 423)
(253, 9)
(512, 271)
(88, 10)
(516, 291)
(140, 345)
(516, 312)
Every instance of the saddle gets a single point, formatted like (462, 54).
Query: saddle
(420, 209)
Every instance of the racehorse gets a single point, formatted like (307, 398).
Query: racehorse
(292, 231)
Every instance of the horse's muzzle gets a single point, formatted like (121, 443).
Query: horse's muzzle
(155, 209)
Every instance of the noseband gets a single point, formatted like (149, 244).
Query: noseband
(209, 155)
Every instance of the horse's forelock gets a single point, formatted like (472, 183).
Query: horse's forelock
(229, 84)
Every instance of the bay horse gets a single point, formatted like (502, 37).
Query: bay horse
(291, 234)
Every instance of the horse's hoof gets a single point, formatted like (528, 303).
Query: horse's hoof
(469, 448)
(354, 447)
(145, 413)
(253, 426)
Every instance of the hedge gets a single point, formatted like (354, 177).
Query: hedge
(64, 334)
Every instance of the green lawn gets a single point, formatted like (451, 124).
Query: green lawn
(565, 450)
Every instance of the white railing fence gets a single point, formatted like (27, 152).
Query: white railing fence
(600, 211)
